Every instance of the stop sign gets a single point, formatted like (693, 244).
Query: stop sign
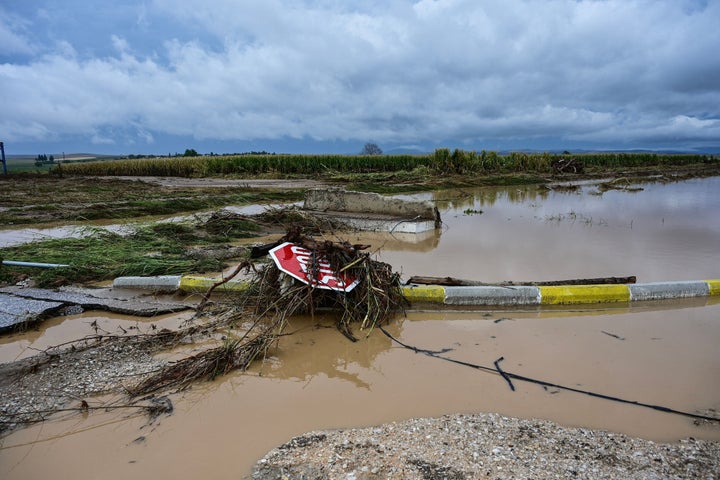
(297, 262)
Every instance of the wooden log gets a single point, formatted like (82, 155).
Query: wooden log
(451, 281)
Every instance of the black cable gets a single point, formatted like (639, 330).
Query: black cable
(504, 375)
(513, 376)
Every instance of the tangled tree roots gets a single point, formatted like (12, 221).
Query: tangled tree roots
(273, 296)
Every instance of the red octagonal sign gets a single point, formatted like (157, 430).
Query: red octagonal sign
(297, 262)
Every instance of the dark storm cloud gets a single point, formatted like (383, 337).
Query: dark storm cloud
(612, 73)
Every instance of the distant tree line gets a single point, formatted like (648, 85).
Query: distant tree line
(44, 159)
(191, 152)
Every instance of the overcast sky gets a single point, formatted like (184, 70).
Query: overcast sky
(160, 76)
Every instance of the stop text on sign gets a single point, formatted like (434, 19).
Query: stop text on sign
(311, 269)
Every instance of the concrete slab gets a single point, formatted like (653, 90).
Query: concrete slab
(371, 211)
(342, 200)
(16, 311)
(20, 305)
(378, 222)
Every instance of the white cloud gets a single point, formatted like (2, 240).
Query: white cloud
(400, 72)
(14, 35)
(120, 44)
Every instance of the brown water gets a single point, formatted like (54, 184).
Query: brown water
(59, 330)
(666, 354)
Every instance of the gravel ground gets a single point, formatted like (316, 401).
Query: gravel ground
(33, 388)
(485, 446)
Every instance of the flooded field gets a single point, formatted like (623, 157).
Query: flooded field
(661, 353)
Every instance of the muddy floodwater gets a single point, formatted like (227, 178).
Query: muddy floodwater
(660, 353)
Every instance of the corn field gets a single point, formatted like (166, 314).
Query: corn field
(441, 162)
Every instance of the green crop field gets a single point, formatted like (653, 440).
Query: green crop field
(441, 162)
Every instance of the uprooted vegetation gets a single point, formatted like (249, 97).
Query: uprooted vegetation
(197, 245)
(272, 297)
(37, 199)
(234, 333)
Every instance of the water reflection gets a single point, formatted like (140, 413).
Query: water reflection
(465, 198)
(666, 232)
(58, 330)
(318, 348)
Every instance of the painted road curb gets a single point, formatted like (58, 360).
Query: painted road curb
(162, 282)
(560, 295)
(193, 283)
(476, 295)
(187, 283)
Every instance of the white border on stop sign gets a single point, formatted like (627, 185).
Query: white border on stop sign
(328, 280)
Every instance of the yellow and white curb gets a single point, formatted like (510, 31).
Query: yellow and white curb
(186, 283)
(474, 295)
(559, 295)
(194, 283)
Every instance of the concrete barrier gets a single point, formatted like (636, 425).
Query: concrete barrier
(162, 282)
(478, 295)
(194, 283)
(714, 287)
(560, 295)
(340, 200)
(662, 290)
(579, 294)
(512, 295)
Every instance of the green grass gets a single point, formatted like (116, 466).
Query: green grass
(24, 165)
(153, 250)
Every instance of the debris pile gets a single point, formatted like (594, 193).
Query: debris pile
(328, 275)
(307, 275)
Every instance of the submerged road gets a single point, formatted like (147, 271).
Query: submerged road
(20, 306)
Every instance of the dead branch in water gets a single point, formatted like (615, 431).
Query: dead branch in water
(209, 364)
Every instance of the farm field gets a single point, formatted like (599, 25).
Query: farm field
(656, 222)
